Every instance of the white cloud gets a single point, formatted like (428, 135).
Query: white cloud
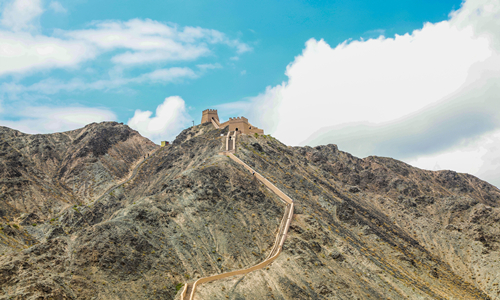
(430, 91)
(22, 52)
(148, 41)
(45, 119)
(57, 7)
(375, 81)
(170, 118)
(20, 15)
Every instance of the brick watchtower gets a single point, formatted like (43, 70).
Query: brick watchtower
(208, 115)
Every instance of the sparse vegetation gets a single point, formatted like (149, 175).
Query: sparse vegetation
(179, 286)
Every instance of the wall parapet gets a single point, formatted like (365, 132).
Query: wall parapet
(238, 119)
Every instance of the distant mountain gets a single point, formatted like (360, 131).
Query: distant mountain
(88, 214)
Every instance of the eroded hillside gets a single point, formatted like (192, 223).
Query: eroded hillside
(372, 228)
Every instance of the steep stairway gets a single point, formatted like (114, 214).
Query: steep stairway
(215, 123)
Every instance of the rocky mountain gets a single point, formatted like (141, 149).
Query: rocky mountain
(88, 214)
(42, 174)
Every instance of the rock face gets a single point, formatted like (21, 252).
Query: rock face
(110, 226)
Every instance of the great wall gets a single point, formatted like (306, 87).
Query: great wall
(210, 115)
(188, 292)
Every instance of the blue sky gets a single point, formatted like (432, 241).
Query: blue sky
(413, 80)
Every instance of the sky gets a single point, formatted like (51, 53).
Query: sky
(418, 81)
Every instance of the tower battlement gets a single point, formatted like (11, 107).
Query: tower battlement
(238, 119)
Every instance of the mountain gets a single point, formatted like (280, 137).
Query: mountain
(88, 214)
(41, 175)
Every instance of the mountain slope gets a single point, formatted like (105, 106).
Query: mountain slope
(374, 227)
(42, 174)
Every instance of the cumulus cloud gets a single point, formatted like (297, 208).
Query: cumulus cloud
(374, 81)
(169, 119)
(422, 93)
(43, 119)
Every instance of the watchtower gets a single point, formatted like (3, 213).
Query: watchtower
(208, 115)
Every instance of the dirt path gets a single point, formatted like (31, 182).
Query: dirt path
(190, 288)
